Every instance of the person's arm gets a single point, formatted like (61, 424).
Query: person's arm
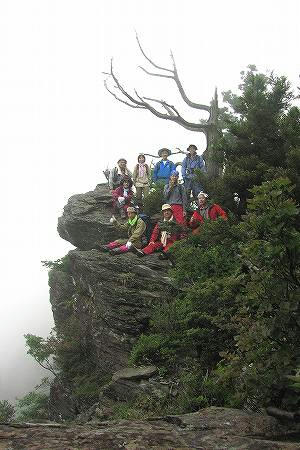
(134, 175)
(128, 198)
(195, 220)
(202, 164)
(111, 178)
(221, 212)
(167, 191)
(184, 198)
(154, 176)
(116, 193)
(155, 234)
(183, 168)
(120, 226)
(138, 232)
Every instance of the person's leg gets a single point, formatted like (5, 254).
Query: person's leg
(139, 194)
(150, 248)
(113, 244)
(187, 187)
(167, 246)
(178, 214)
(146, 191)
(196, 188)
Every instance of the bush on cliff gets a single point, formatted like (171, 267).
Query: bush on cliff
(236, 323)
(7, 411)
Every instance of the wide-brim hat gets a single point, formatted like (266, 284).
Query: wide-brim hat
(166, 206)
(164, 150)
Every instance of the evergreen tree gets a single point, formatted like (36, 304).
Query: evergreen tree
(261, 139)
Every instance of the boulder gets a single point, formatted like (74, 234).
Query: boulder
(85, 219)
(135, 373)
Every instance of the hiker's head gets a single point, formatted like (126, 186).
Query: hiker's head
(202, 198)
(167, 211)
(174, 176)
(122, 163)
(141, 158)
(126, 183)
(164, 153)
(192, 149)
(131, 212)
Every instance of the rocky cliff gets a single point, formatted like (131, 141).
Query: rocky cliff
(110, 298)
(101, 304)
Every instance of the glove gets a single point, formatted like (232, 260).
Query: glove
(112, 219)
(121, 199)
(128, 244)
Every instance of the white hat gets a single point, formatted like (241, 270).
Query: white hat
(166, 206)
(204, 194)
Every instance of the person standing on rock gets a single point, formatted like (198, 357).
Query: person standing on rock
(175, 195)
(206, 211)
(189, 165)
(164, 167)
(164, 235)
(122, 197)
(135, 228)
(118, 173)
(141, 178)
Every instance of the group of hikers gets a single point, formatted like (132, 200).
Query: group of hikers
(177, 198)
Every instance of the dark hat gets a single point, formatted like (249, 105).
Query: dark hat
(122, 159)
(164, 150)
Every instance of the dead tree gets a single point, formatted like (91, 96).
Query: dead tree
(209, 127)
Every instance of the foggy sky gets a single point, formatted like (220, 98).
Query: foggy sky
(60, 128)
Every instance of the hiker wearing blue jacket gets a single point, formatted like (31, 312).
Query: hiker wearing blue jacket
(188, 167)
(164, 167)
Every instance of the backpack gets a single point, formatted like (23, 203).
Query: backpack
(149, 226)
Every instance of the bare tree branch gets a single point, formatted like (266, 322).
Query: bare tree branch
(148, 59)
(174, 77)
(121, 100)
(140, 102)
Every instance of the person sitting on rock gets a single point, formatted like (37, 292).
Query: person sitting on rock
(164, 235)
(122, 197)
(164, 167)
(118, 173)
(141, 178)
(175, 195)
(206, 211)
(135, 228)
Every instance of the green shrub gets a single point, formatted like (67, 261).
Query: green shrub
(154, 201)
(7, 411)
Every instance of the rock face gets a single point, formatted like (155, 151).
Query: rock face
(211, 428)
(85, 220)
(110, 297)
(116, 294)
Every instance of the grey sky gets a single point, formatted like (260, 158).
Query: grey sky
(60, 128)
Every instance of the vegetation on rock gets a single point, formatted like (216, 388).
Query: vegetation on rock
(231, 337)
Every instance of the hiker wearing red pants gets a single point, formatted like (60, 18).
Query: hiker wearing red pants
(135, 227)
(164, 235)
(175, 195)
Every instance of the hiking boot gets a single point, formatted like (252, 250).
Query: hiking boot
(137, 251)
(163, 256)
(115, 251)
(102, 248)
